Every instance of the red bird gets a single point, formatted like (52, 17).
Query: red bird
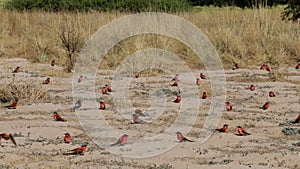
(225, 128)
(108, 88)
(176, 77)
(137, 74)
(252, 88)
(241, 131)
(297, 119)
(204, 95)
(53, 62)
(181, 138)
(202, 76)
(228, 106)
(17, 69)
(121, 141)
(265, 67)
(104, 90)
(6, 136)
(298, 66)
(236, 66)
(77, 151)
(13, 105)
(175, 83)
(57, 117)
(80, 79)
(139, 112)
(178, 99)
(266, 106)
(198, 81)
(137, 120)
(47, 81)
(102, 105)
(272, 94)
(67, 138)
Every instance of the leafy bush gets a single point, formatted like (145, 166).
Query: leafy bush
(100, 5)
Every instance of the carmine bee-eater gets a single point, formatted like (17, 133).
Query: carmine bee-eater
(272, 94)
(202, 76)
(13, 105)
(53, 62)
(139, 112)
(198, 81)
(104, 90)
(265, 67)
(266, 106)
(6, 136)
(297, 119)
(298, 66)
(228, 106)
(57, 117)
(17, 69)
(121, 141)
(204, 95)
(47, 81)
(77, 104)
(181, 138)
(67, 138)
(102, 105)
(137, 120)
(178, 99)
(225, 128)
(80, 79)
(137, 74)
(241, 131)
(77, 151)
(108, 88)
(236, 66)
(252, 87)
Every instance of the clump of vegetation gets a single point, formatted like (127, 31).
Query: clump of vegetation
(100, 5)
(29, 91)
(291, 131)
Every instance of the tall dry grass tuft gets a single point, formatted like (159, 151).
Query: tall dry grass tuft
(22, 90)
(248, 37)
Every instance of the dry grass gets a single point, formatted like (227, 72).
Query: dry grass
(23, 90)
(244, 36)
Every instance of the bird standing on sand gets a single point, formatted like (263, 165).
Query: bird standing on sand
(47, 81)
(6, 136)
(241, 131)
(266, 106)
(252, 87)
(225, 128)
(13, 105)
(136, 74)
(137, 120)
(236, 66)
(77, 151)
(178, 99)
(102, 105)
(204, 95)
(77, 104)
(53, 62)
(272, 94)
(80, 79)
(228, 106)
(57, 117)
(202, 76)
(17, 69)
(181, 138)
(121, 141)
(67, 138)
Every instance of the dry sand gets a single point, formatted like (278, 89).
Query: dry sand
(41, 145)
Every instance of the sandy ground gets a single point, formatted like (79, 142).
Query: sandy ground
(40, 138)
